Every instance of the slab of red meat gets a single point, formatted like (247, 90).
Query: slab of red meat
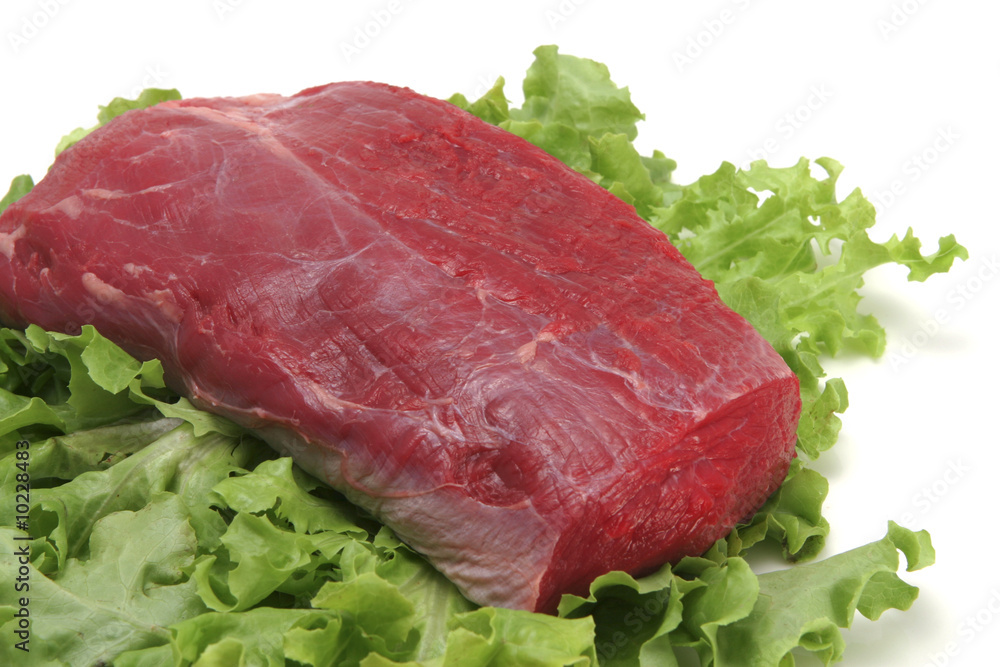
(494, 355)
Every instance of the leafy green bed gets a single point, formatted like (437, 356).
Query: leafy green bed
(162, 535)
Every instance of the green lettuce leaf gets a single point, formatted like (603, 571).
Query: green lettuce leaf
(122, 597)
(115, 108)
(717, 607)
(20, 186)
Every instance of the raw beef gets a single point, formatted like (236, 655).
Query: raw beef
(492, 354)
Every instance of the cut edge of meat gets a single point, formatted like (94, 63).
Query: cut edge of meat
(700, 486)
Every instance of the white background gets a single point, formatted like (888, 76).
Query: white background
(886, 80)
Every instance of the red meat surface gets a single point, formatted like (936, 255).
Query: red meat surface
(492, 354)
